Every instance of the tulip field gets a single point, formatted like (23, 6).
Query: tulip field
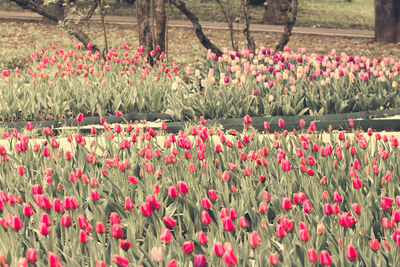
(58, 84)
(136, 195)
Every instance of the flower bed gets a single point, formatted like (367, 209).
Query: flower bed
(59, 84)
(141, 197)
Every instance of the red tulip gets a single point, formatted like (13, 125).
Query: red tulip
(94, 195)
(312, 255)
(247, 172)
(219, 249)
(116, 231)
(374, 244)
(386, 203)
(325, 258)
(79, 118)
(233, 214)
(224, 213)
(165, 235)
(172, 263)
(304, 235)
(280, 231)
(226, 176)
(229, 258)
(337, 197)
(27, 210)
(205, 218)
(187, 246)
(169, 222)
(114, 218)
(182, 187)
(212, 195)
(346, 219)
(206, 205)
(31, 255)
(356, 183)
(254, 239)
(172, 192)
(43, 229)
(356, 208)
(200, 261)
(16, 223)
(100, 229)
(262, 208)
(125, 244)
(121, 261)
(351, 253)
(46, 152)
(128, 204)
(53, 260)
(66, 220)
(57, 205)
(82, 222)
(228, 224)
(247, 120)
(44, 218)
(29, 126)
(281, 123)
(328, 210)
(101, 264)
(273, 259)
(21, 170)
(307, 206)
(202, 237)
(83, 237)
(286, 203)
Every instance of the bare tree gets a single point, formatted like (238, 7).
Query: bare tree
(160, 26)
(145, 36)
(291, 19)
(197, 27)
(227, 10)
(56, 17)
(387, 20)
(251, 45)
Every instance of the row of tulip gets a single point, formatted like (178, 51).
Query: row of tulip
(60, 83)
(134, 196)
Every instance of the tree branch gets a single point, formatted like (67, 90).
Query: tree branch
(42, 10)
(251, 45)
(197, 27)
(292, 13)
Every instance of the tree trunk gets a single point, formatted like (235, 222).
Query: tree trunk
(160, 27)
(275, 12)
(387, 21)
(197, 27)
(251, 45)
(39, 8)
(145, 37)
(226, 10)
(57, 9)
(291, 19)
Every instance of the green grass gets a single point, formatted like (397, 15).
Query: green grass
(358, 14)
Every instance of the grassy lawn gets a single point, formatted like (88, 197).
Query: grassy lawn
(320, 13)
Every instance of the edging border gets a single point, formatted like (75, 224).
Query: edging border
(376, 120)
